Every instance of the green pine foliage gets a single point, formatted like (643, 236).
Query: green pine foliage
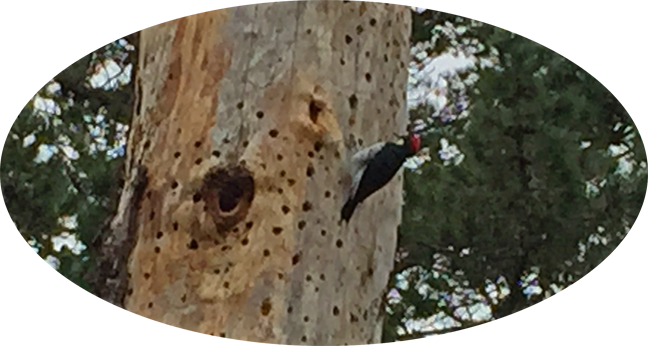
(63, 156)
(539, 200)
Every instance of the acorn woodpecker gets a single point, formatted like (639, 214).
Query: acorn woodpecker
(373, 167)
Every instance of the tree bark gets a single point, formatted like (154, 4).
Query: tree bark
(241, 125)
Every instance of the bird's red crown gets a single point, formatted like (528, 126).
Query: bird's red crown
(415, 142)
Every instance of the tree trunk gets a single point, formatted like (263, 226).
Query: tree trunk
(240, 130)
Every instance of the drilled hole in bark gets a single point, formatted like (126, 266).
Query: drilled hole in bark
(291, 182)
(176, 154)
(309, 278)
(348, 39)
(156, 249)
(301, 224)
(198, 161)
(198, 144)
(152, 215)
(304, 338)
(311, 154)
(225, 248)
(147, 276)
(129, 292)
(216, 271)
(280, 276)
(307, 206)
(183, 298)
(159, 235)
(273, 133)
(150, 305)
(174, 184)
(368, 77)
(285, 209)
(327, 194)
(306, 318)
(280, 190)
(310, 170)
(322, 277)
(193, 244)
(240, 105)
(282, 174)
(222, 335)
(266, 306)
(266, 253)
(367, 54)
(372, 21)
(259, 114)
(245, 241)
(147, 144)
(245, 144)
(338, 243)
(279, 157)
(353, 318)
(309, 31)
(249, 225)
(336, 311)
(323, 233)
(353, 101)
(314, 110)
(197, 197)
(290, 309)
(226, 284)
(295, 259)
(216, 153)
(342, 62)
(277, 230)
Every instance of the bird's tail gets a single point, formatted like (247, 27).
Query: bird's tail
(348, 208)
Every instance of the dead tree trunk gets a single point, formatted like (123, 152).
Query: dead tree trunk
(240, 130)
